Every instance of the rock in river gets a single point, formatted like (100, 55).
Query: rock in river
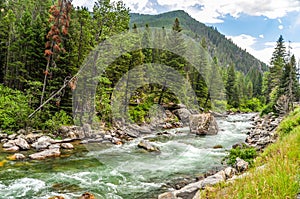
(87, 195)
(203, 124)
(144, 144)
(45, 154)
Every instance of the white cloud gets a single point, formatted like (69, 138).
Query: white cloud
(139, 6)
(243, 41)
(214, 10)
(265, 52)
(247, 42)
(84, 3)
(261, 36)
(280, 27)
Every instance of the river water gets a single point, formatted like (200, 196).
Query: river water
(122, 172)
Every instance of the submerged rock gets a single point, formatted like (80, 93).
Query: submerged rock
(203, 124)
(167, 195)
(87, 195)
(45, 154)
(57, 197)
(144, 144)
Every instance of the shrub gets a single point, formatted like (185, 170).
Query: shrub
(252, 105)
(288, 124)
(246, 153)
(60, 118)
(14, 110)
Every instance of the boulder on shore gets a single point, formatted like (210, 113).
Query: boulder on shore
(17, 156)
(45, 154)
(67, 146)
(241, 165)
(43, 143)
(184, 115)
(203, 124)
(12, 149)
(22, 144)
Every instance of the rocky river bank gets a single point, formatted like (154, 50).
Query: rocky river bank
(259, 136)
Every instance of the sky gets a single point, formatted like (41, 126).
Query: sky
(254, 25)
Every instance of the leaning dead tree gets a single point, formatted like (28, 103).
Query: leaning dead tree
(59, 20)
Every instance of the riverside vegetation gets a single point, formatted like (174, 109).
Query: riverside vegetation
(275, 172)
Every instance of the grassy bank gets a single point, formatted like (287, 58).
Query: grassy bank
(279, 177)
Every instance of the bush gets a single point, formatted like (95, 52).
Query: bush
(252, 105)
(291, 122)
(14, 110)
(60, 118)
(246, 153)
(267, 109)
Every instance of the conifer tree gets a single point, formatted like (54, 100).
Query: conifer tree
(278, 62)
(231, 88)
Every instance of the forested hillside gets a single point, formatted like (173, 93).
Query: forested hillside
(44, 43)
(218, 45)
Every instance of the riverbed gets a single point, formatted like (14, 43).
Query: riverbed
(122, 172)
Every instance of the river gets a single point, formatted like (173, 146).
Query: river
(122, 172)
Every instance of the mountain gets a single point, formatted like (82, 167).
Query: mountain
(218, 45)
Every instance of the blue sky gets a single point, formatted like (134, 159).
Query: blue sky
(254, 25)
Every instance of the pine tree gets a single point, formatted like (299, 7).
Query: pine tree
(174, 59)
(278, 62)
(289, 85)
(231, 88)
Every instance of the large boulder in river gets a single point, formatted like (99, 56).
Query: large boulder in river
(45, 154)
(144, 144)
(203, 124)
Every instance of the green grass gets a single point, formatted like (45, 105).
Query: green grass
(280, 176)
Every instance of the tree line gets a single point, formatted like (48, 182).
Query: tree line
(43, 45)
